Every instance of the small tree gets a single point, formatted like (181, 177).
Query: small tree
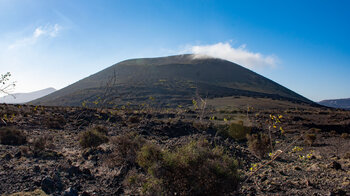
(5, 84)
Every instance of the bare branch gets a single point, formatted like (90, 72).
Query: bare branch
(5, 85)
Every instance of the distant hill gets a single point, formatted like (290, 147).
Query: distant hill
(18, 98)
(336, 103)
(168, 81)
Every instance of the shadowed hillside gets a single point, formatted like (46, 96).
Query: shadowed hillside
(170, 81)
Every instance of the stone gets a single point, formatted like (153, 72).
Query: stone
(70, 192)
(48, 185)
(314, 168)
(335, 165)
(85, 194)
(297, 168)
(58, 183)
(8, 156)
(36, 169)
(86, 153)
(18, 154)
(86, 171)
(74, 170)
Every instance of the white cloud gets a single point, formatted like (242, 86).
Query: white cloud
(42, 31)
(238, 55)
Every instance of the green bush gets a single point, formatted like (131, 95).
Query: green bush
(259, 144)
(92, 138)
(194, 169)
(148, 155)
(12, 136)
(236, 131)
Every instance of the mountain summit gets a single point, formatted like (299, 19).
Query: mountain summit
(170, 81)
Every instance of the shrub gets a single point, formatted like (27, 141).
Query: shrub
(101, 128)
(42, 143)
(133, 181)
(346, 155)
(139, 183)
(24, 150)
(149, 155)
(38, 145)
(345, 135)
(310, 139)
(315, 130)
(200, 126)
(55, 122)
(125, 148)
(42, 147)
(236, 131)
(12, 136)
(333, 133)
(92, 138)
(194, 169)
(134, 119)
(259, 144)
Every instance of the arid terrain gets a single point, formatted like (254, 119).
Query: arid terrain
(174, 98)
(47, 154)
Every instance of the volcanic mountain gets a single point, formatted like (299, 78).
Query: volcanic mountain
(168, 81)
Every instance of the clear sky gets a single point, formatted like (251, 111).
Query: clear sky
(303, 45)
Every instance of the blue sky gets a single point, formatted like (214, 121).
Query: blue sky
(303, 45)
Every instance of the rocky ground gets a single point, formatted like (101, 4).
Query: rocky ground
(53, 162)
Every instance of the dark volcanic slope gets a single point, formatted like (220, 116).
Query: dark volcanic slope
(336, 103)
(171, 81)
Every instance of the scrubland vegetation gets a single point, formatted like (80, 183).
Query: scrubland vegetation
(182, 151)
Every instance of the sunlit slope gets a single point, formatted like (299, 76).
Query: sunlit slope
(171, 81)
